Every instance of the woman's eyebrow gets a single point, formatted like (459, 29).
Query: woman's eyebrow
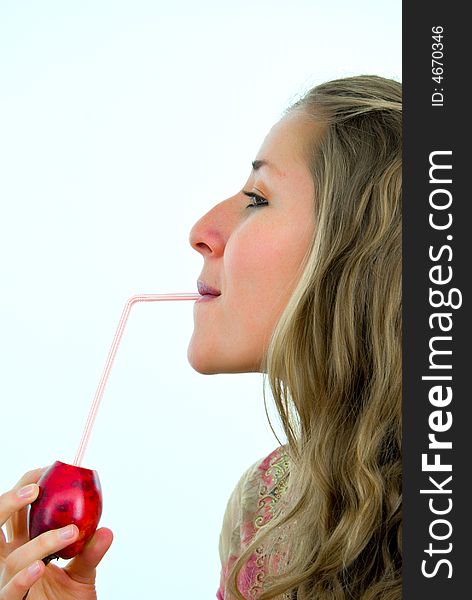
(257, 164)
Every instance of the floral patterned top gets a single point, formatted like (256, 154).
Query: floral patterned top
(251, 505)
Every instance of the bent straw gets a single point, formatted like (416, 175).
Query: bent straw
(111, 357)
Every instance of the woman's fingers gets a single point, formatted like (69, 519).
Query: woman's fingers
(9, 501)
(45, 544)
(15, 499)
(14, 505)
(17, 527)
(18, 585)
(82, 567)
(30, 477)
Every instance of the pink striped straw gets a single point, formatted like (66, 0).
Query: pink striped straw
(111, 357)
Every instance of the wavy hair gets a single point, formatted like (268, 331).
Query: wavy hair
(334, 361)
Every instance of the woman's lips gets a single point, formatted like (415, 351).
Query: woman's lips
(206, 298)
(206, 290)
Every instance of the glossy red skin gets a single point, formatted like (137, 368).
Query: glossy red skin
(67, 494)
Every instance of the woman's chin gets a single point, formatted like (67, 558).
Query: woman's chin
(201, 361)
(212, 363)
(209, 362)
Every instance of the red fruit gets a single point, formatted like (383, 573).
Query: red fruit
(67, 494)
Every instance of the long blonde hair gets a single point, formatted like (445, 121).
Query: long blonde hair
(334, 361)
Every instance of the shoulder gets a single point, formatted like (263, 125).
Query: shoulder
(253, 501)
(251, 505)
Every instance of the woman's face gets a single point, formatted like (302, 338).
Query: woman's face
(253, 254)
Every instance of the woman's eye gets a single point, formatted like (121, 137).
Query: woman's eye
(256, 200)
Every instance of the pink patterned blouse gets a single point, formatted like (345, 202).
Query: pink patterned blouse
(251, 505)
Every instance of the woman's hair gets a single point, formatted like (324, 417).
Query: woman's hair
(334, 361)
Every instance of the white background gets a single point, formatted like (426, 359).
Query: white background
(121, 123)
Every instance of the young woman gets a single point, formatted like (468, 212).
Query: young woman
(302, 282)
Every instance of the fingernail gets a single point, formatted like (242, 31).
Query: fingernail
(26, 491)
(68, 532)
(34, 569)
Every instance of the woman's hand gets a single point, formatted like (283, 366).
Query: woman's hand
(21, 566)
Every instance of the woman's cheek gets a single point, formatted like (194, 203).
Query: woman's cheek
(252, 250)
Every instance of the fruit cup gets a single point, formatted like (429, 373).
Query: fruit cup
(67, 494)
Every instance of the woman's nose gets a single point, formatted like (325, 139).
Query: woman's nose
(207, 235)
